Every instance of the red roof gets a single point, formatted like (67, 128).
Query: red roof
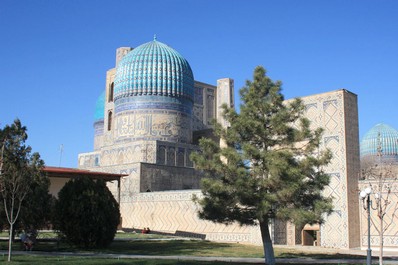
(64, 172)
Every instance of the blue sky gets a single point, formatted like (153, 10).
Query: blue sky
(54, 55)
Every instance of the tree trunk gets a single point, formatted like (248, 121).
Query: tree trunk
(267, 243)
(381, 241)
(10, 241)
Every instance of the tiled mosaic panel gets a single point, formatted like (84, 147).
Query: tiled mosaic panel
(165, 125)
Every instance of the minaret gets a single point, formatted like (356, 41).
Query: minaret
(225, 95)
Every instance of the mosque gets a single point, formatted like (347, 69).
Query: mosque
(149, 119)
(379, 170)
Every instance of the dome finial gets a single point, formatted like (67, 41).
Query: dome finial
(154, 37)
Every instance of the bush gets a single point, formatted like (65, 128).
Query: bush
(86, 213)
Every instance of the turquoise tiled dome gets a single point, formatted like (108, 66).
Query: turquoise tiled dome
(154, 69)
(384, 135)
(99, 108)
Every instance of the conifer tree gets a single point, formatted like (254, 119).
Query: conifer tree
(20, 171)
(87, 213)
(270, 165)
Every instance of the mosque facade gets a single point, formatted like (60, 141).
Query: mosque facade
(379, 171)
(149, 119)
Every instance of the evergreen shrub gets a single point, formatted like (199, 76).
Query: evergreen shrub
(86, 213)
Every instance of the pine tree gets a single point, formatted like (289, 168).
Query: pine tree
(270, 165)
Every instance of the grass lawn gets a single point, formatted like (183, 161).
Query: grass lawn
(152, 244)
(156, 247)
(40, 260)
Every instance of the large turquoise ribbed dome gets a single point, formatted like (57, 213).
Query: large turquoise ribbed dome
(154, 69)
(153, 95)
(380, 135)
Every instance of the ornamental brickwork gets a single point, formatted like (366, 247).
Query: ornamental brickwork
(337, 113)
(149, 135)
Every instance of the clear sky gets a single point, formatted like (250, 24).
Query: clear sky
(54, 55)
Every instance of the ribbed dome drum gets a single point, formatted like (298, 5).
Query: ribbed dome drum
(383, 136)
(153, 95)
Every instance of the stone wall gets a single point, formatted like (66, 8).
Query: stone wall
(336, 112)
(225, 95)
(204, 106)
(174, 212)
(390, 218)
(163, 178)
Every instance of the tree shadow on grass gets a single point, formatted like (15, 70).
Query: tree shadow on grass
(172, 247)
(319, 255)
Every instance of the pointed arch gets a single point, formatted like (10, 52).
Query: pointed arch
(110, 115)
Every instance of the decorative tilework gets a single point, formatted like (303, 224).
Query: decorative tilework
(154, 103)
(154, 112)
(154, 68)
(331, 138)
(390, 234)
(384, 135)
(338, 117)
(170, 126)
(334, 233)
(199, 95)
(99, 107)
(174, 211)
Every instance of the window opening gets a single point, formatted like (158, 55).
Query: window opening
(110, 96)
(109, 120)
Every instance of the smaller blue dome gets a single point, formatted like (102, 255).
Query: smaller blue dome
(380, 135)
(99, 108)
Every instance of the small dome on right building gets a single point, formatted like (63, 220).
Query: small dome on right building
(380, 136)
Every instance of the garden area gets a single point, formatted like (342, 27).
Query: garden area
(50, 250)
